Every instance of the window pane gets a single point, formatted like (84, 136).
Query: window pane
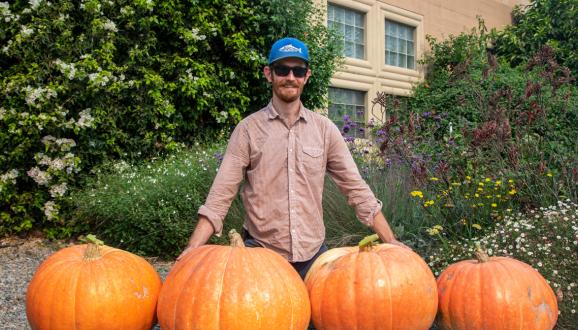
(349, 18)
(359, 51)
(351, 103)
(348, 50)
(399, 45)
(351, 25)
(348, 33)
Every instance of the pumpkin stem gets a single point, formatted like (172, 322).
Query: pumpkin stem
(366, 243)
(481, 255)
(236, 239)
(93, 248)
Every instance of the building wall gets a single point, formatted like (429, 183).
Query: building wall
(439, 18)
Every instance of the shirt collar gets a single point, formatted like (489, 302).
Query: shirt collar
(272, 113)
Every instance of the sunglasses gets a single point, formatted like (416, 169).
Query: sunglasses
(283, 70)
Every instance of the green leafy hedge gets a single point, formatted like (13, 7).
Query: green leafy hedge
(85, 81)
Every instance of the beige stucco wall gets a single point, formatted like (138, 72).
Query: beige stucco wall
(439, 18)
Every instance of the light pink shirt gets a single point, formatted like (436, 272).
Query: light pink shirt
(284, 170)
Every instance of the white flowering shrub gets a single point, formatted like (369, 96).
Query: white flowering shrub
(90, 80)
(546, 239)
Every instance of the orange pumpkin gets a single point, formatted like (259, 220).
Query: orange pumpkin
(372, 287)
(495, 293)
(233, 287)
(93, 286)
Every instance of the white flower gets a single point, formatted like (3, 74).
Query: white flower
(34, 3)
(109, 26)
(9, 176)
(40, 177)
(50, 210)
(58, 190)
(85, 120)
(26, 31)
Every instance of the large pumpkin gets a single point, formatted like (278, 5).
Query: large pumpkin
(495, 293)
(372, 287)
(233, 287)
(93, 286)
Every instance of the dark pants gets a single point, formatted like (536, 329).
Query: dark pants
(302, 267)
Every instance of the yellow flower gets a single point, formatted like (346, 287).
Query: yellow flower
(456, 184)
(468, 177)
(435, 230)
(481, 184)
(549, 174)
(416, 193)
(510, 181)
(476, 195)
(428, 203)
(488, 179)
(498, 196)
(433, 178)
(494, 205)
(498, 183)
(512, 192)
(477, 226)
(480, 189)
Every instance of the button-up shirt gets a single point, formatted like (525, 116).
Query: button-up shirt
(283, 170)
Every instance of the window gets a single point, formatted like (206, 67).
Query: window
(399, 45)
(347, 103)
(352, 25)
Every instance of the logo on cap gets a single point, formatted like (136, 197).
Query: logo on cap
(289, 48)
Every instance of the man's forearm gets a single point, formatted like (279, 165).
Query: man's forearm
(202, 233)
(382, 229)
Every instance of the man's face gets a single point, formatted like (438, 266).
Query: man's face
(288, 88)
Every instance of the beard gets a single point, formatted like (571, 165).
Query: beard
(287, 92)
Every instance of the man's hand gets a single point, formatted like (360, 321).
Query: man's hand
(199, 237)
(185, 252)
(398, 243)
(382, 229)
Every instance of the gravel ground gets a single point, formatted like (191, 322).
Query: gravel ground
(19, 259)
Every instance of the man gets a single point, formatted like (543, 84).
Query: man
(283, 152)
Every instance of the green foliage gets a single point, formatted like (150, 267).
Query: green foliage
(151, 208)
(88, 81)
(542, 22)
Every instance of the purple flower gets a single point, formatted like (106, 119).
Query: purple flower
(219, 156)
(427, 114)
(346, 128)
(346, 118)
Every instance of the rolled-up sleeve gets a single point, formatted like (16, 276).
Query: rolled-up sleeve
(228, 178)
(343, 170)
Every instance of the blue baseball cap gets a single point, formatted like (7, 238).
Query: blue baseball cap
(288, 47)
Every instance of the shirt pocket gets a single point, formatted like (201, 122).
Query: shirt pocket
(312, 159)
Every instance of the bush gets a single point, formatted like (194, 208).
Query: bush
(541, 22)
(151, 208)
(88, 81)
(546, 239)
(476, 116)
